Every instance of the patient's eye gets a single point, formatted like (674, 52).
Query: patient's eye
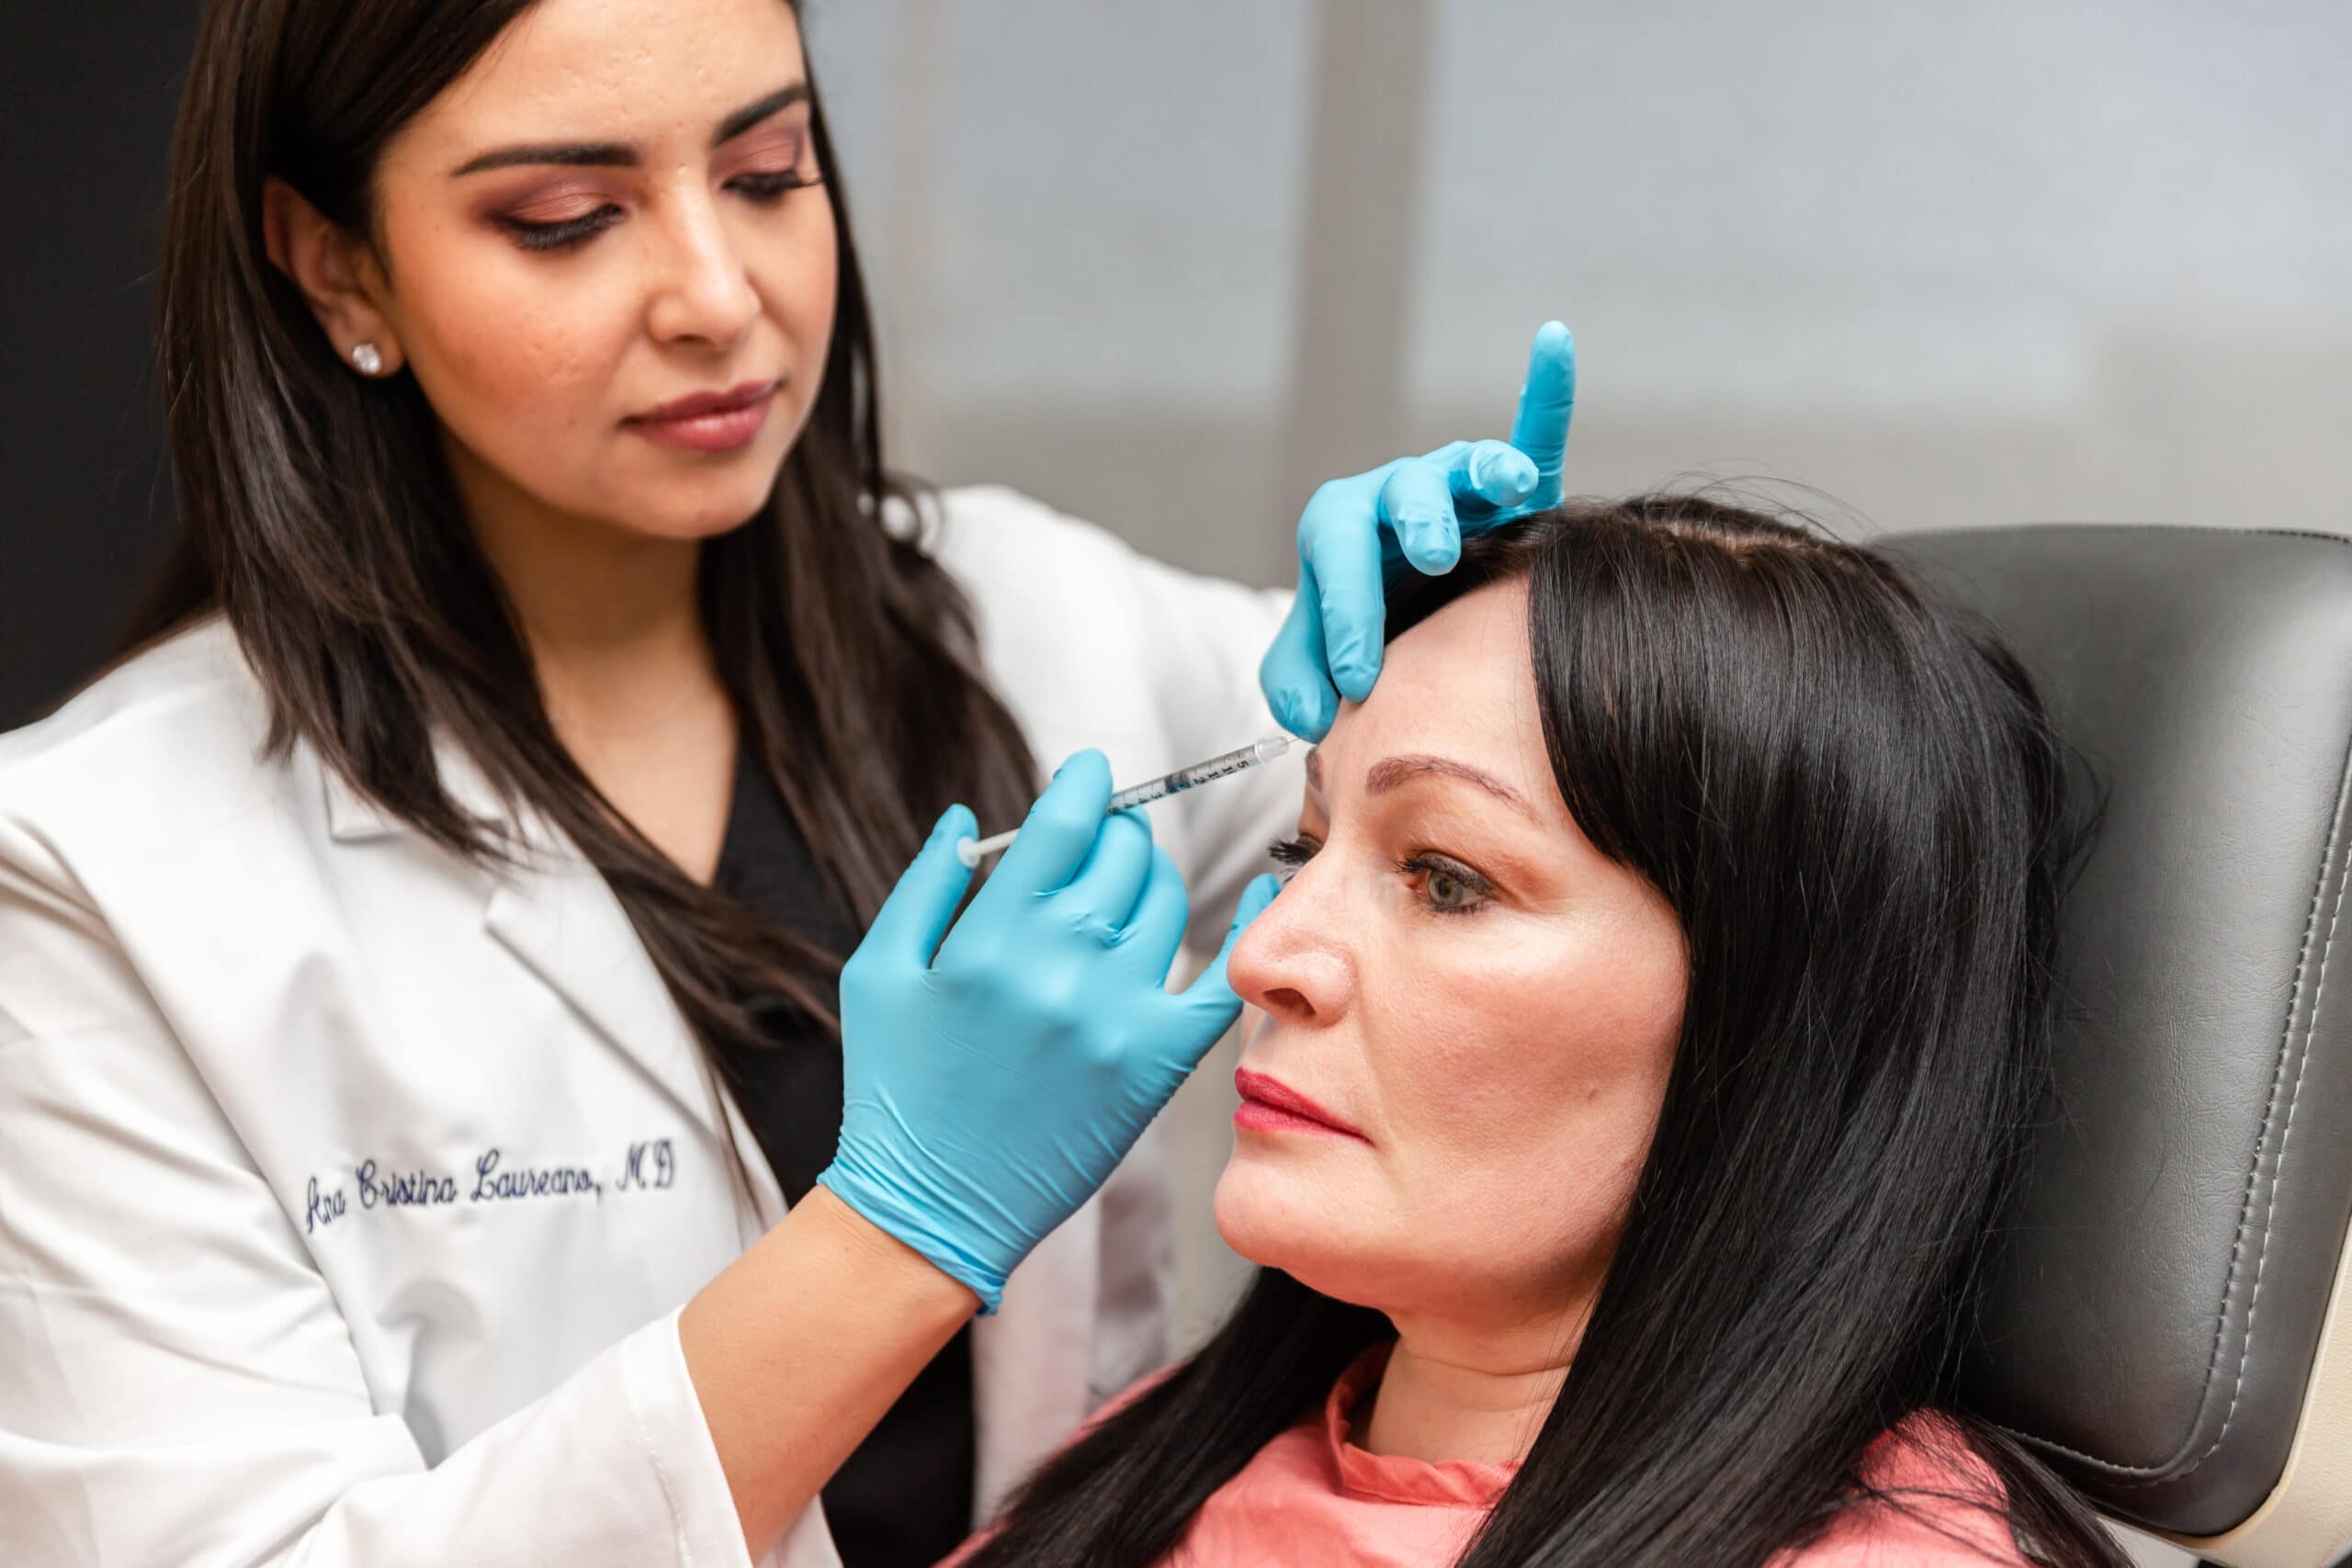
(1448, 887)
(1292, 853)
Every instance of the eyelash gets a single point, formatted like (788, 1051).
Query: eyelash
(1296, 853)
(1290, 853)
(762, 189)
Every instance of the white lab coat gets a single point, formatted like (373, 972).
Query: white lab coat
(348, 1194)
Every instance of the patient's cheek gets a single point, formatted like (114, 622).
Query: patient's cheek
(1517, 1100)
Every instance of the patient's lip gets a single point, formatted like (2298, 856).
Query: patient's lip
(1269, 1105)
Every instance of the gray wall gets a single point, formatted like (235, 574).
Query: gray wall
(1952, 263)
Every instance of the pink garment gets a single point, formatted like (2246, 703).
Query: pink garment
(1311, 1495)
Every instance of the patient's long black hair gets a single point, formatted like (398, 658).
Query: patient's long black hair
(1850, 796)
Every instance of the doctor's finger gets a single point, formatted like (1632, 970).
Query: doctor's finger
(1297, 680)
(915, 918)
(1546, 402)
(1104, 891)
(1417, 505)
(1492, 473)
(1211, 994)
(1058, 834)
(1156, 931)
(1345, 563)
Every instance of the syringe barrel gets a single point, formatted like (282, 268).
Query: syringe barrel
(972, 851)
(1249, 756)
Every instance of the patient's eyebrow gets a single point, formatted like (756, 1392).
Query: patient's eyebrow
(625, 155)
(1391, 772)
(1315, 768)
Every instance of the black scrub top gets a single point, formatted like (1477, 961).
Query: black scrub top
(905, 1495)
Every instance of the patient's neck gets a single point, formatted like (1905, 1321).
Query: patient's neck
(1457, 1392)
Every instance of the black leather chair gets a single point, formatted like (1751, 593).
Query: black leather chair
(2172, 1324)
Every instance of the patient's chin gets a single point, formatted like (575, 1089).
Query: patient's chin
(1359, 1239)
(1277, 1220)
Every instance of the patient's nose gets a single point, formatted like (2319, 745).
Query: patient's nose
(1292, 963)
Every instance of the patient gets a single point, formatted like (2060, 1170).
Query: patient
(1648, 1022)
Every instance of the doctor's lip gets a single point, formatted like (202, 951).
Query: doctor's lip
(1269, 1105)
(709, 422)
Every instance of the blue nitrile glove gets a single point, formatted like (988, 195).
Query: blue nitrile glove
(1418, 508)
(992, 1081)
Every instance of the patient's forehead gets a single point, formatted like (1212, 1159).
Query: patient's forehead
(1458, 685)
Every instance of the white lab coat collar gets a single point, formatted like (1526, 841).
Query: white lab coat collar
(352, 818)
(555, 912)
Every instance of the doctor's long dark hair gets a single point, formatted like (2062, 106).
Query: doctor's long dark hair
(1850, 798)
(318, 512)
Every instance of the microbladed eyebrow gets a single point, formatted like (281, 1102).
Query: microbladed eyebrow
(625, 155)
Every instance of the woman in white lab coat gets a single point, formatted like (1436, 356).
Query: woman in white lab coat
(419, 1071)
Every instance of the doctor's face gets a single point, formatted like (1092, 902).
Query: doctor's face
(617, 206)
(1476, 1007)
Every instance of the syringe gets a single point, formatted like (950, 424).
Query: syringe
(973, 850)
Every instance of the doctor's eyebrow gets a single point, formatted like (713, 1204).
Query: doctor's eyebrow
(625, 155)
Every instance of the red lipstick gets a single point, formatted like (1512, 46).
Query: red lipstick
(1269, 1105)
(709, 422)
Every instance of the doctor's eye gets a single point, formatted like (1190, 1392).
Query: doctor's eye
(563, 235)
(785, 162)
(769, 186)
(1292, 853)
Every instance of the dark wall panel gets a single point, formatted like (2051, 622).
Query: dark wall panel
(87, 89)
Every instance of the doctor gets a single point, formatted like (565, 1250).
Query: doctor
(435, 1125)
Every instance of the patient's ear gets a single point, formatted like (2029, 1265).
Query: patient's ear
(336, 272)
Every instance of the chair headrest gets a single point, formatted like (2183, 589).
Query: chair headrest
(2159, 1325)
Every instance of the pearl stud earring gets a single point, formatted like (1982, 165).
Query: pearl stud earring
(368, 361)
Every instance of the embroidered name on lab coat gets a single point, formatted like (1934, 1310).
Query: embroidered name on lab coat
(651, 1165)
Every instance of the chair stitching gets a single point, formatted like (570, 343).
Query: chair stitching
(2270, 1205)
(2156, 1475)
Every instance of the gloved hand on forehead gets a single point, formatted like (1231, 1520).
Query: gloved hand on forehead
(997, 1066)
(1417, 509)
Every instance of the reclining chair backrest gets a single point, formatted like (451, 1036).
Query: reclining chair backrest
(2171, 1324)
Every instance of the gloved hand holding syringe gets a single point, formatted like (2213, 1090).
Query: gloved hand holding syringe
(971, 852)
